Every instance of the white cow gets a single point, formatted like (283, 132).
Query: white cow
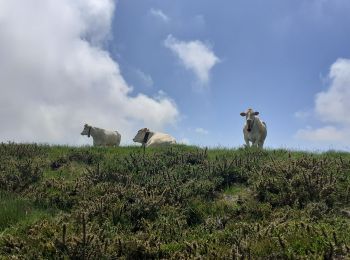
(151, 139)
(254, 130)
(102, 137)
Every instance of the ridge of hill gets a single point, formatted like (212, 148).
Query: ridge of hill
(175, 202)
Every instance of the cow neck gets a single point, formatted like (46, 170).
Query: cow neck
(145, 139)
(89, 133)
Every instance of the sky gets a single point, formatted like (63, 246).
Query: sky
(187, 68)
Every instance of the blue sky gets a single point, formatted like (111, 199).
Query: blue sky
(184, 67)
(275, 56)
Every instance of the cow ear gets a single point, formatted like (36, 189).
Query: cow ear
(243, 114)
(256, 113)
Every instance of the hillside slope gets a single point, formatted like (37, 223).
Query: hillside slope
(178, 202)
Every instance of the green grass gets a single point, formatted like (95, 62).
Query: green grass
(18, 211)
(235, 190)
(176, 202)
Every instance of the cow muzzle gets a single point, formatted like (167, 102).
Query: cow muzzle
(249, 125)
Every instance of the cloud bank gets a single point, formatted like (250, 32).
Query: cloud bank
(194, 56)
(55, 75)
(322, 134)
(332, 107)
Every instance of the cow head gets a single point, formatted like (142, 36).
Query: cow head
(86, 130)
(250, 116)
(140, 136)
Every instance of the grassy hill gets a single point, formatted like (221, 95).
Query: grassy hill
(178, 202)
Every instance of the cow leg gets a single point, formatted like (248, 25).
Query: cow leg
(97, 143)
(246, 142)
(255, 143)
(260, 144)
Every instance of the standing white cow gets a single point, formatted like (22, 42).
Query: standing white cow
(151, 139)
(102, 137)
(254, 130)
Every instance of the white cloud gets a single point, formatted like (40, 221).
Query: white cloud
(146, 79)
(55, 76)
(332, 106)
(159, 14)
(323, 134)
(194, 55)
(200, 130)
(303, 114)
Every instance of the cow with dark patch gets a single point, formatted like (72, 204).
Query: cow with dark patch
(102, 137)
(254, 130)
(150, 139)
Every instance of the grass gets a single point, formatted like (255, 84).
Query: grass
(18, 211)
(235, 190)
(178, 202)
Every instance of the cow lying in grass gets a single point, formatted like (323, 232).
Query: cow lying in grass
(254, 129)
(102, 137)
(150, 139)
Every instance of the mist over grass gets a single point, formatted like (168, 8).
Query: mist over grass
(176, 202)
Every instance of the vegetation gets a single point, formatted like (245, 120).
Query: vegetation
(177, 202)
